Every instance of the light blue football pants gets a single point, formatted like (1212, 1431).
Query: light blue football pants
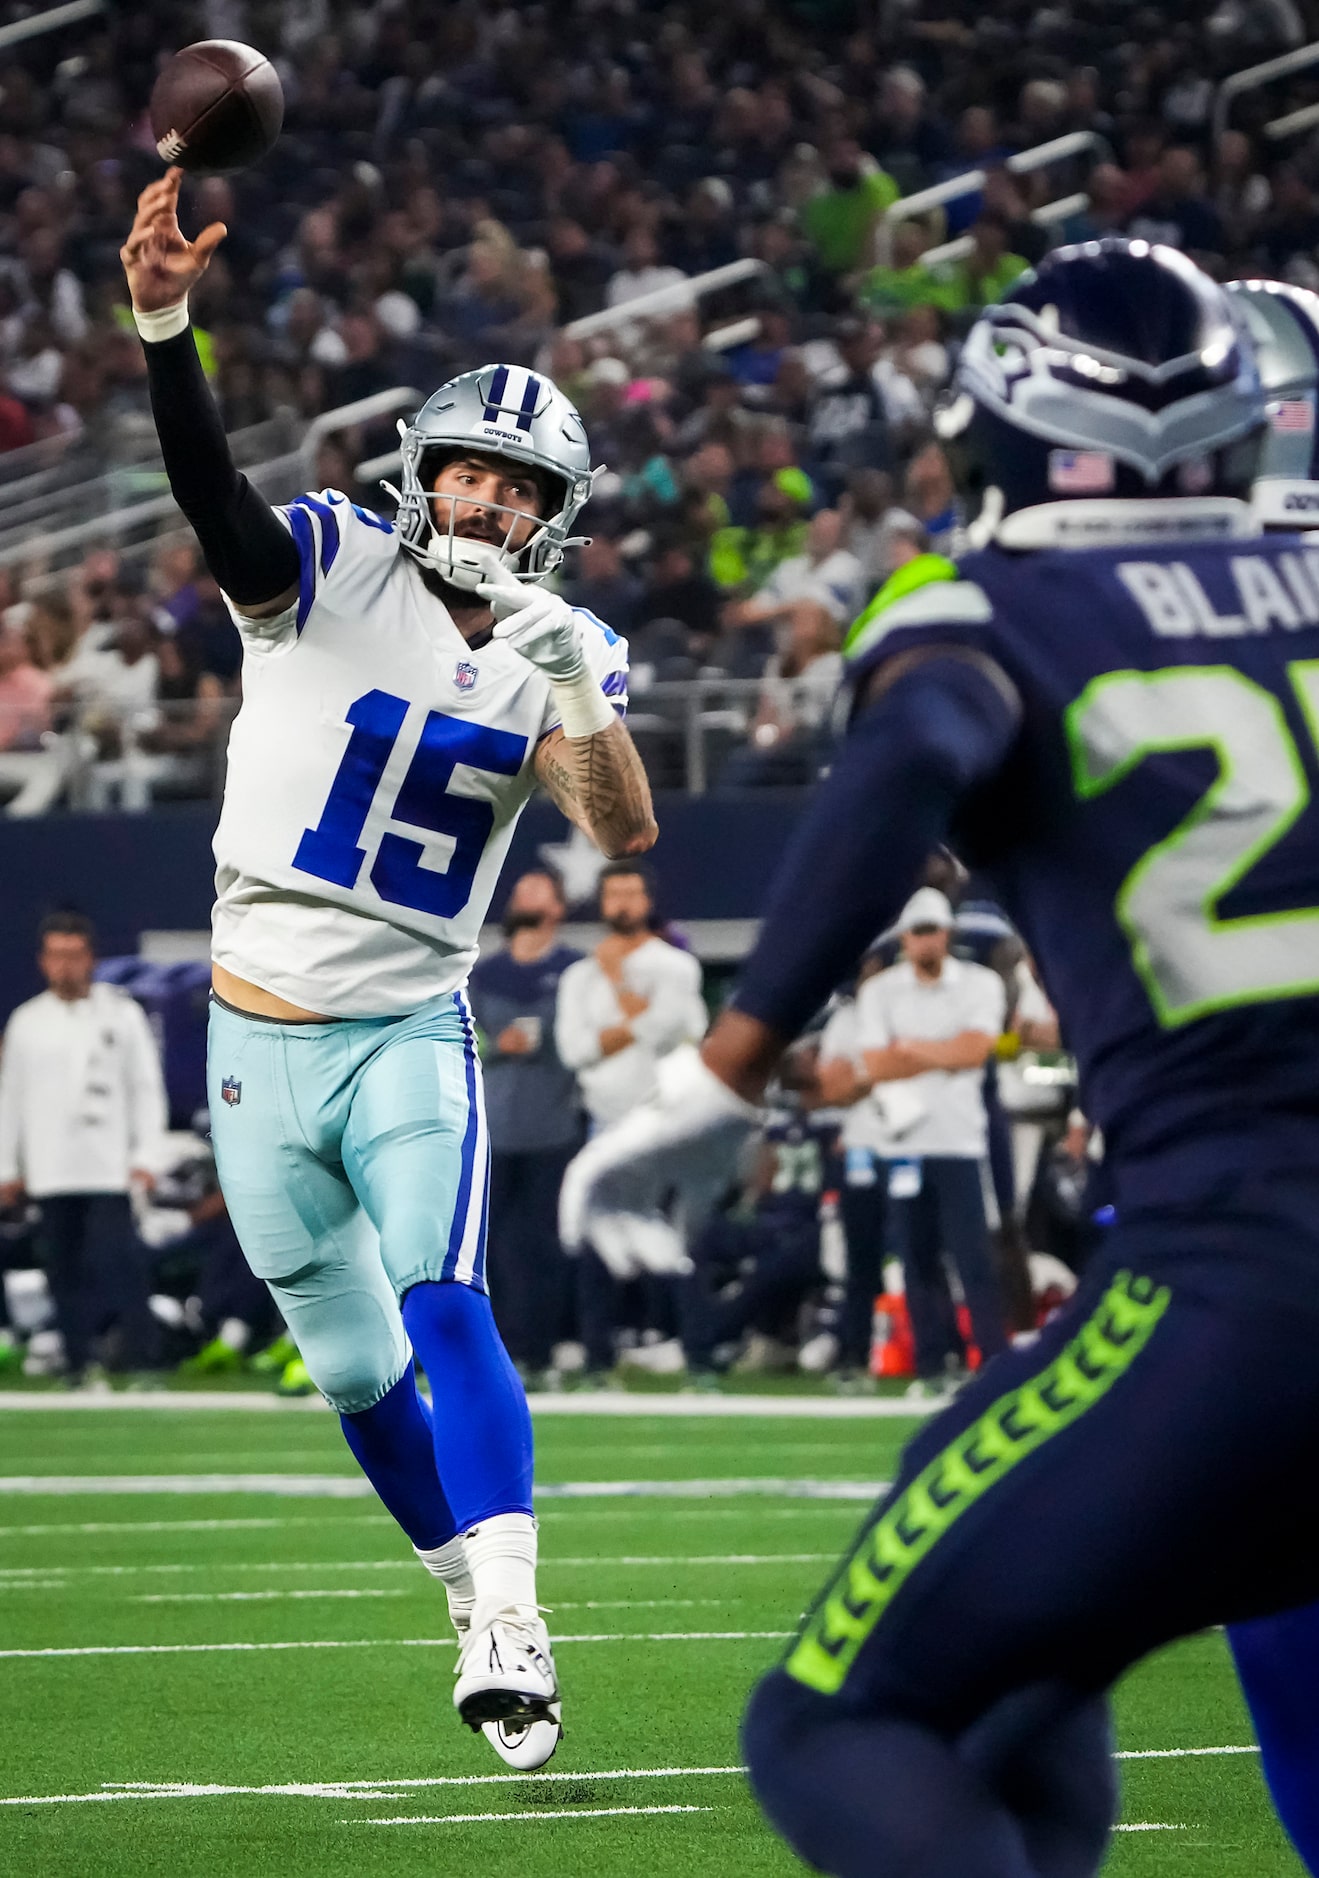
(354, 1160)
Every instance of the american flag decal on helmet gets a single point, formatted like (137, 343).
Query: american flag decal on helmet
(1293, 414)
(1081, 472)
(513, 392)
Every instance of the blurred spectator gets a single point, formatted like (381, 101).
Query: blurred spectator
(579, 268)
(866, 1144)
(1238, 191)
(866, 501)
(642, 271)
(904, 281)
(603, 585)
(82, 1119)
(705, 237)
(905, 137)
(679, 588)
(826, 576)
(1105, 213)
(746, 557)
(927, 1028)
(1289, 235)
(790, 734)
(840, 222)
(25, 692)
(635, 999)
(931, 496)
(1178, 212)
(984, 276)
(533, 1116)
(863, 407)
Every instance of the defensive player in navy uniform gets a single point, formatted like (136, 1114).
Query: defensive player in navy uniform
(405, 687)
(1277, 1658)
(1114, 712)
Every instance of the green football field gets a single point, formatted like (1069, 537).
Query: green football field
(219, 1657)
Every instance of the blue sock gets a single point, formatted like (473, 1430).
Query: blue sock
(1277, 1660)
(482, 1425)
(394, 1448)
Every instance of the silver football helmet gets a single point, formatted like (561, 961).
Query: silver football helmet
(505, 411)
(1283, 322)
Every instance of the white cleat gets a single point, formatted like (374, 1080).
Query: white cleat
(506, 1675)
(526, 1745)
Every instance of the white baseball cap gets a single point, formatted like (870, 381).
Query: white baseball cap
(926, 907)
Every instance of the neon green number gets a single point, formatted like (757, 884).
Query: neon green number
(1190, 960)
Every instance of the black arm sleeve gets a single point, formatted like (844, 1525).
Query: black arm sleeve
(856, 855)
(247, 548)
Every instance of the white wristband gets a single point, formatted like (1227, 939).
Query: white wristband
(168, 323)
(583, 708)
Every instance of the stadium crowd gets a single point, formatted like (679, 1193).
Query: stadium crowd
(458, 182)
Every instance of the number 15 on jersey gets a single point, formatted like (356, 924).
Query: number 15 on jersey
(331, 851)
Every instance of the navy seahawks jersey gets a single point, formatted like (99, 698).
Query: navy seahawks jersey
(1153, 832)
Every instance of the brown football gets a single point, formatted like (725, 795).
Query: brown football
(216, 106)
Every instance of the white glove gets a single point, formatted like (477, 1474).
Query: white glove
(684, 1141)
(537, 624)
(629, 1243)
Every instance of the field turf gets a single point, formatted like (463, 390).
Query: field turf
(214, 1679)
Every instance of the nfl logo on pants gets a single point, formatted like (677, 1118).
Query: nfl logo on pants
(231, 1091)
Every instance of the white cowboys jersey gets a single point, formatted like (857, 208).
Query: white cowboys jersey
(377, 769)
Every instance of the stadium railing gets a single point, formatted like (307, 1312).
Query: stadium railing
(101, 755)
(1077, 143)
(675, 299)
(50, 21)
(32, 531)
(1252, 77)
(1046, 216)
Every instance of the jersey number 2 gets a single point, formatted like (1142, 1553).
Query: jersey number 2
(1191, 961)
(330, 850)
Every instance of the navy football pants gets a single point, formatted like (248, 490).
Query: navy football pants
(1143, 1471)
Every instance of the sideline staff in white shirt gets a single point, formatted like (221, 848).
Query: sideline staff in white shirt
(867, 1144)
(627, 1005)
(928, 1026)
(619, 1011)
(82, 1117)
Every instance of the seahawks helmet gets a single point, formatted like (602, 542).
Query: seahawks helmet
(1283, 323)
(504, 411)
(1113, 371)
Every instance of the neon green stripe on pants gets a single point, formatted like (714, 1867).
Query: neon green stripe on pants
(1015, 1426)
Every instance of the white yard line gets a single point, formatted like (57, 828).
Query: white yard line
(21, 1576)
(604, 1403)
(357, 1487)
(389, 1788)
(386, 1643)
(1145, 1825)
(1175, 1754)
(191, 1525)
(293, 1486)
(255, 1597)
(534, 1817)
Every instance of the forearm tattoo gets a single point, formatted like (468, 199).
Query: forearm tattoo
(600, 784)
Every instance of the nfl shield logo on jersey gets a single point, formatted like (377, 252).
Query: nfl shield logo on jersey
(465, 674)
(231, 1091)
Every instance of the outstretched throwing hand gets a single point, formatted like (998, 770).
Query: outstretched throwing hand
(162, 265)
